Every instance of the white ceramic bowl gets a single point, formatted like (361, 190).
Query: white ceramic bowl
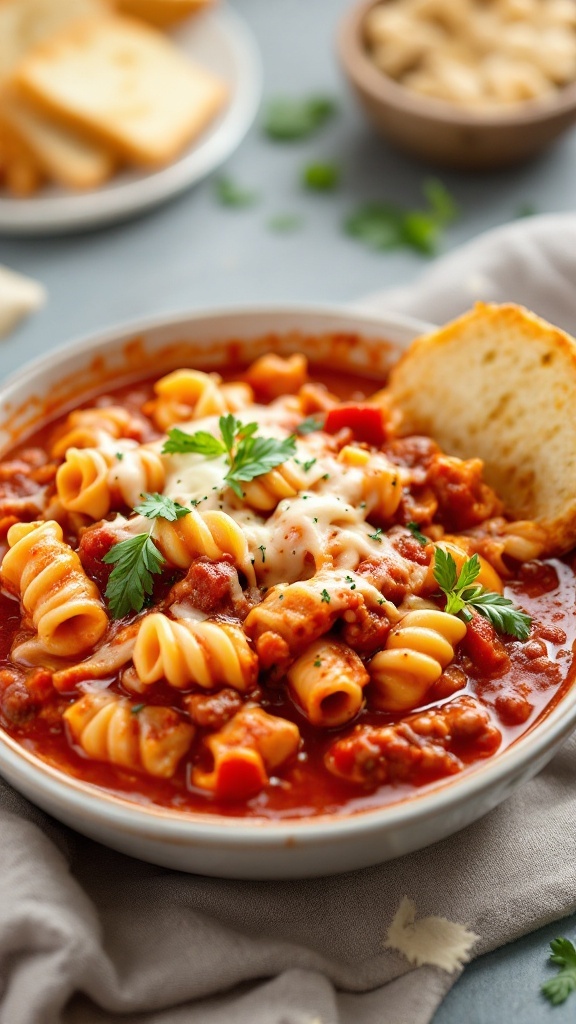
(234, 847)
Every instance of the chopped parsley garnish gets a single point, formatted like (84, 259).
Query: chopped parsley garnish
(310, 424)
(315, 519)
(248, 456)
(376, 536)
(119, 456)
(558, 988)
(155, 505)
(461, 595)
(262, 549)
(137, 559)
(325, 597)
(317, 663)
(136, 708)
(417, 534)
(382, 225)
(287, 119)
(308, 465)
(351, 582)
(285, 222)
(321, 177)
(230, 194)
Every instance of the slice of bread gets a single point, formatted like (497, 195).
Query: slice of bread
(125, 84)
(500, 383)
(24, 23)
(162, 12)
(20, 172)
(63, 155)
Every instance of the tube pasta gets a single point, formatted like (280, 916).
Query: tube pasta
(92, 481)
(191, 394)
(245, 752)
(418, 648)
(89, 428)
(210, 533)
(327, 682)
(111, 728)
(47, 574)
(187, 653)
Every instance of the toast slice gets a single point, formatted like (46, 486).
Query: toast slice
(62, 155)
(24, 23)
(162, 12)
(122, 84)
(20, 172)
(500, 383)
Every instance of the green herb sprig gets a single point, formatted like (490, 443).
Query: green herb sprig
(289, 119)
(137, 559)
(229, 193)
(558, 988)
(248, 456)
(462, 594)
(382, 225)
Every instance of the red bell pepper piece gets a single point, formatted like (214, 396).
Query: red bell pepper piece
(366, 422)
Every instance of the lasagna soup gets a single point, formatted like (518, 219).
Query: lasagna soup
(256, 596)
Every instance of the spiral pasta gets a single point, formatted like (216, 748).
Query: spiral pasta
(244, 753)
(191, 394)
(417, 650)
(460, 548)
(187, 653)
(264, 492)
(111, 728)
(93, 481)
(327, 682)
(47, 574)
(89, 428)
(380, 481)
(210, 533)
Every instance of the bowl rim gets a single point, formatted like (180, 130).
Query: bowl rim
(88, 802)
(383, 89)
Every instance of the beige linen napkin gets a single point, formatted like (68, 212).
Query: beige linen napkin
(88, 936)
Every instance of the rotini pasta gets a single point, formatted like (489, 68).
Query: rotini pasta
(211, 533)
(89, 428)
(64, 605)
(191, 394)
(93, 481)
(268, 490)
(187, 653)
(111, 728)
(417, 650)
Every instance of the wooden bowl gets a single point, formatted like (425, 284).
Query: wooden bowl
(438, 131)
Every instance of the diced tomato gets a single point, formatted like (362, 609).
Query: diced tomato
(366, 422)
(240, 775)
(482, 645)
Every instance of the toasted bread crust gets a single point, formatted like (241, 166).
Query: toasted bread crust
(500, 383)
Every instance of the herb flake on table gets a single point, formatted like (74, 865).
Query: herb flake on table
(384, 226)
(228, 193)
(462, 594)
(283, 223)
(321, 177)
(288, 119)
(558, 988)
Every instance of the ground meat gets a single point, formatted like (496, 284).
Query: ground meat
(367, 634)
(414, 453)
(408, 547)
(213, 710)
(21, 695)
(390, 577)
(96, 542)
(487, 653)
(422, 747)
(23, 484)
(213, 588)
(464, 500)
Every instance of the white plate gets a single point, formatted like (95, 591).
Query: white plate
(219, 40)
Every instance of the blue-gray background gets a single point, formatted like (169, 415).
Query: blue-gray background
(193, 252)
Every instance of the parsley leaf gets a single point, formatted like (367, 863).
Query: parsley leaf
(558, 988)
(321, 177)
(135, 561)
(382, 225)
(248, 456)
(325, 596)
(377, 535)
(284, 222)
(461, 595)
(310, 424)
(230, 194)
(160, 505)
(415, 531)
(179, 442)
(287, 119)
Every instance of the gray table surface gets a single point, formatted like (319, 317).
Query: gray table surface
(192, 252)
